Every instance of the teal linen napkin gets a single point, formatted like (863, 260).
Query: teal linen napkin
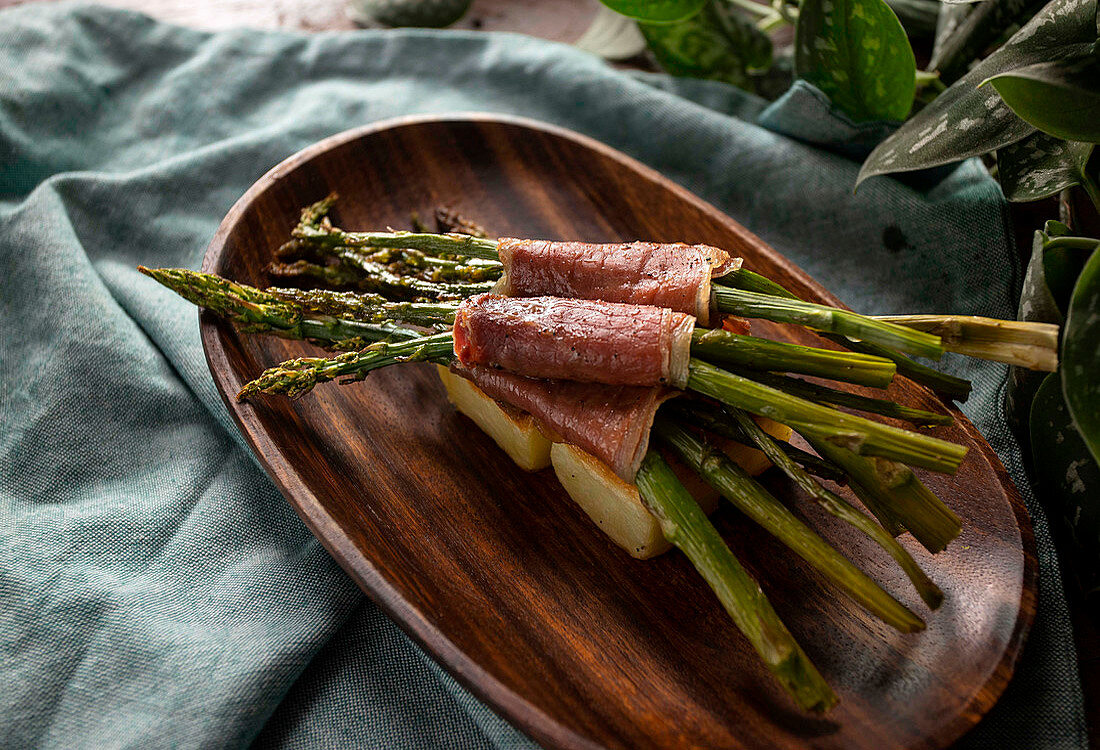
(155, 589)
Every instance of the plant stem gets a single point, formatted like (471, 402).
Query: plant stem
(1088, 182)
(725, 348)
(702, 415)
(834, 320)
(686, 526)
(1014, 342)
(825, 395)
(898, 494)
(857, 433)
(754, 501)
(838, 507)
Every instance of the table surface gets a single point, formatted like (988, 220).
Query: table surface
(560, 21)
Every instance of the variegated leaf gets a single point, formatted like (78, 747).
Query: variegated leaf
(857, 53)
(965, 121)
(1040, 166)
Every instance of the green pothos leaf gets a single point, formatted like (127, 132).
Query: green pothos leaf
(656, 11)
(975, 29)
(966, 121)
(1040, 166)
(717, 43)
(1081, 355)
(1066, 475)
(1060, 97)
(857, 53)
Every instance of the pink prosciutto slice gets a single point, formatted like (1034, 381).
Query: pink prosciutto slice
(672, 275)
(612, 422)
(569, 339)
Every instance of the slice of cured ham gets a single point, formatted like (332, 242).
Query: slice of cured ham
(568, 339)
(672, 275)
(610, 422)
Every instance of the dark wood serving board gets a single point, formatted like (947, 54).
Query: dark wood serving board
(505, 581)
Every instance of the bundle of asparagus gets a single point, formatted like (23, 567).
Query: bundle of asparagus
(408, 288)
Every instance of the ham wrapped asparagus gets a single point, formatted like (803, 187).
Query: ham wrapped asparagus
(612, 422)
(673, 275)
(592, 371)
(579, 340)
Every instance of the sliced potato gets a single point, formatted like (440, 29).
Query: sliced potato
(616, 507)
(611, 503)
(516, 434)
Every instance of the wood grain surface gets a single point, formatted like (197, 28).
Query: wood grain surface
(499, 576)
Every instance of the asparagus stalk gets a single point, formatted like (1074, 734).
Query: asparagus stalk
(366, 307)
(1025, 344)
(754, 501)
(702, 415)
(946, 385)
(444, 245)
(750, 281)
(834, 320)
(825, 395)
(825, 423)
(838, 507)
(866, 437)
(725, 348)
(297, 377)
(686, 526)
(345, 313)
(898, 494)
(255, 311)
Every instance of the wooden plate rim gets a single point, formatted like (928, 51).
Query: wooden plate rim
(522, 714)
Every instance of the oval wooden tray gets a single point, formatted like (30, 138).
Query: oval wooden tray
(509, 585)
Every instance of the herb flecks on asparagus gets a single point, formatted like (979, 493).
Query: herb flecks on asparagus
(297, 377)
(685, 526)
(750, 498)
(259, 311)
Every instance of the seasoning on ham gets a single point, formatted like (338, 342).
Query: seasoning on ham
(610, 422)
(673, 275)
(569, 339)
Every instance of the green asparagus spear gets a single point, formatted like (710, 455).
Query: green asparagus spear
(705, 415)
(257, 311)
(897, 493)
(840, 508)
(861, 435)
(825, 395)
(725, 348)
(823, 318)
(686, 526)
(754, 501)
(297, 377)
